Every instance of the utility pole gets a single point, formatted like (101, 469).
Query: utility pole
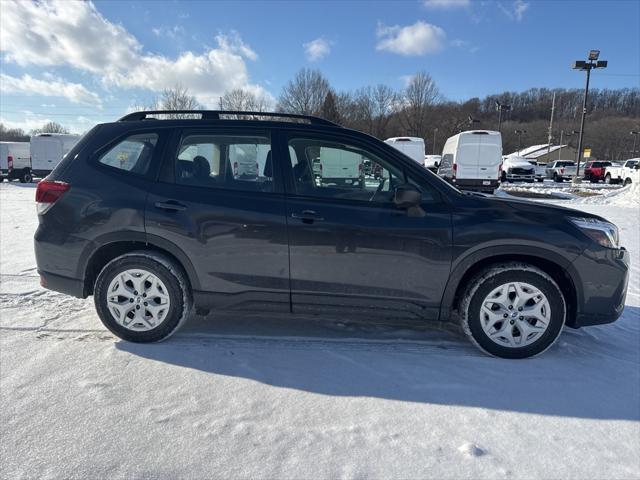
(519, 133)
(635, 139)
(588, 65)
(550, 137)
(433, 147)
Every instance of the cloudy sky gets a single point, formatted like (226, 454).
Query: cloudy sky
(84, 63)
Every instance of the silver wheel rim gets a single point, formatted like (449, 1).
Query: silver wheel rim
(138, 300)
(515, 314)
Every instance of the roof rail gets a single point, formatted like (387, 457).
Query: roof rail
(217, 114)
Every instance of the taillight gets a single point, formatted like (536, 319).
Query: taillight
(257, 169)
(455, 170)
(10, 162)
(360, 170)
(49, 192)
(561, 171)
(235, 169)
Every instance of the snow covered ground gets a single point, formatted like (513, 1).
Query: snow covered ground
(267, 397)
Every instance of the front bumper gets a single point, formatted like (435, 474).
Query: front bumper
(513, 177)
(602, 288)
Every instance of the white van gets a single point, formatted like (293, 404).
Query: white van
(412, 147)
(341, 167)
(15, 161)
(472, 160)
(47, 150)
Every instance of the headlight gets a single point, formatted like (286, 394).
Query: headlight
(603, 233)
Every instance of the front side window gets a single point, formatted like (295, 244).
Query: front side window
(225, 161)
(132, 154)
(337, 170)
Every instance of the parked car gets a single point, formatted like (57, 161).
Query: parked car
(472, 160)
(541, 170)
(561, 170)
(15, 161)
(620, 173)
(48, 149)
(517, 169)
(153, 232)
(432, 162)
(594, 171)
(412, 147)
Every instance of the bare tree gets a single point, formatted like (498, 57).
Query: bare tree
(304, 94)
(420, 95)
(12, 134)
(175, 98)
(50, 127)
(243, 100)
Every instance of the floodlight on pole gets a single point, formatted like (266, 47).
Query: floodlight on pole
(500, 107)
(587, 66)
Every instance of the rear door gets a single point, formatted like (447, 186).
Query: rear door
(226, 215)
(467, 157)
(490, 157)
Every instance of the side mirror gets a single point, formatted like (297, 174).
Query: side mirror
(406, 196)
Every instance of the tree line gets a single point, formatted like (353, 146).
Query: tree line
(420, 110)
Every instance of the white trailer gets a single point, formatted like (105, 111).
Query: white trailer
(412, 147)
(472, 160)
(15, 161)
(47, 150)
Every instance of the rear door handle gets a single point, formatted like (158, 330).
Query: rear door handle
(307, 216)
(170, 205)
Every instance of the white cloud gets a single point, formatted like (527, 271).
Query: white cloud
(446, 4)
(174, 32)
(60, 33)
(317, 49)
(50, 87)
(515, 10)
(464, 45)
(417, 39)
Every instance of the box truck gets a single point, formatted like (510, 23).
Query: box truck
(47, 150)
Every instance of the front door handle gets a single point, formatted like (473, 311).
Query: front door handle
(170, 205)
(307, 216)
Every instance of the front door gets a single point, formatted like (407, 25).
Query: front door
(350, 247)
(218, 202)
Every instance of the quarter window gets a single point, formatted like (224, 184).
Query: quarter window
(222, 161)
(132, 154)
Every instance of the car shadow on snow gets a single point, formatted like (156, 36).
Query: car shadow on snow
(588, 373)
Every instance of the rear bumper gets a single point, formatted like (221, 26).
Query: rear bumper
(480, 185)
(58, 283)
(604, 276)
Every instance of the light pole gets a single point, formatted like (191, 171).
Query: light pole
(433, 148)
(500, 107)
(588, 65)
(520, 133)
(635, 139)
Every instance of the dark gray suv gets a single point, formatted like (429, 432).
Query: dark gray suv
(215, 211)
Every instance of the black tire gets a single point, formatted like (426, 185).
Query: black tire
(26, 177)
(608, 180)
(503, 177)
(556, 178)
(482, 284)
(627, 181)
(164, 268)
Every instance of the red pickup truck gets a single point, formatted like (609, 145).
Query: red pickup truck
(594, 171)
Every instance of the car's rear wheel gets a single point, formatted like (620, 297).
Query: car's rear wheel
(627, 181)
(142, 296)
(513, 311)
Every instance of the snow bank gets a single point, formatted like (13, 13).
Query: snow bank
(627, 196)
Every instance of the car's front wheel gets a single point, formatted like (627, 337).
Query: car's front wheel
(142, 296)
(513, 310)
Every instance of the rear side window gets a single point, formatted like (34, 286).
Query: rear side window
(238, 162)
(133, 154)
